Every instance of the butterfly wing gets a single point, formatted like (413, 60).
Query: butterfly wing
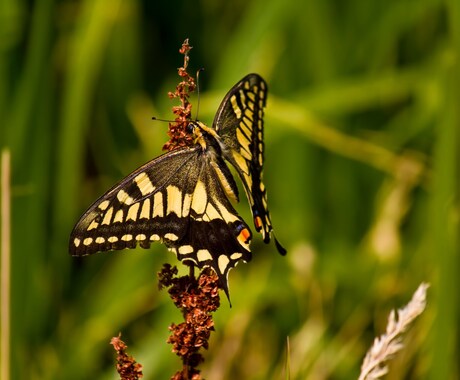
(135, 211)
(239, 124)
(176, 199)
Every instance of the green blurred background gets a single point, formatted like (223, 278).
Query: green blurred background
(362, 138)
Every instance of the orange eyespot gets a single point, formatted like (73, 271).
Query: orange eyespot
(258, 223)
(244, 235)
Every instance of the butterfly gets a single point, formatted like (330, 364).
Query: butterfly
(182, 198)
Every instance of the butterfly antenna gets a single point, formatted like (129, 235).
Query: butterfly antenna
(164, 120)
(198, 91)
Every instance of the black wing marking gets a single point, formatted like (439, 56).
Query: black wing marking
(239, 124)
(176, 199)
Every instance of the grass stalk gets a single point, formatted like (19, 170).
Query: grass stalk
(5, 265)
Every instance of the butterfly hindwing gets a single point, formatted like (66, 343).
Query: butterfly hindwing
(217, 236)
(239, 124)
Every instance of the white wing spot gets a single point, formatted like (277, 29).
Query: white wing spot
(236, 256)
(203, 255)
(246, 154)
(248, 113)
(247, 120)
(132, 212)
(103, 205)
(118, 216)
(112, 239)
(186, 204)
(127, 237)
(141, 237)
(174, 202)
(243, 141)
(261, 146)
(144, 184)
(155, 237)
(261, 159)
(185, 249)
(242, 97)
(200, 198)
(93, 225)
(158, 205)
(87, 241)
(124, 197)
(223, 263)
(100, 240)
(76, 242)
(245, 128)
(145, 211)
(171, 236)
(264, 202)
(241, 162)
(108, 216)
(236, 109)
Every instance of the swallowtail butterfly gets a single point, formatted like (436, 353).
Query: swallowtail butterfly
(182, 198)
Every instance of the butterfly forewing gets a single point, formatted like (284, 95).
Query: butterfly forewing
(239, 124)
(136, 210)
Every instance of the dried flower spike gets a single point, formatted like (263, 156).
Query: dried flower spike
(127, 367)
(197, 299)
(177, 130)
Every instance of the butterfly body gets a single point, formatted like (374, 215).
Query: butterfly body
(182, 198)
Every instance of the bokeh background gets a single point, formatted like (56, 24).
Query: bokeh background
(362, 138)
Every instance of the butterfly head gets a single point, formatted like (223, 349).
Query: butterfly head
(202, 134)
